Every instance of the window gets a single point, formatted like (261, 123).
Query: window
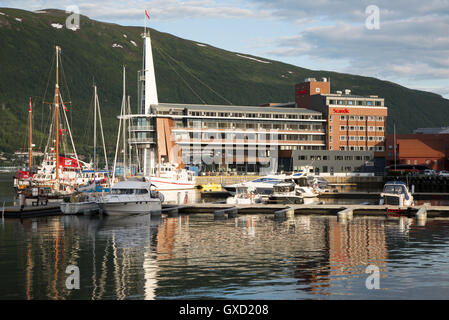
(342, 117)
(317, 90)
(380, 128)
(330, 118)
(342, 128)
(361, 128)
(362, 118)
(369, 103)
(342, 138)
(361, 138)
(342, 148)
(352, 118)
(371, 129)
(330, 138)
(353, 138)
(362, 148)
(330, 128)
(351, 128)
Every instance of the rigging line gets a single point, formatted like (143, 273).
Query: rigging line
(67, 88)
(186, 83)
(204, 84)
(43, 104)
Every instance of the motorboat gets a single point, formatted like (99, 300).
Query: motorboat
(263, 185)
(80, 204)
(396, 193)
(244, 195)
(170, 177)
(131, 196)
(285, 192)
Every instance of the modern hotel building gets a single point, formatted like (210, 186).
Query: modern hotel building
(217, 138)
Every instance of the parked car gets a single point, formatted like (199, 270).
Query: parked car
(443, 173)
(429, 172)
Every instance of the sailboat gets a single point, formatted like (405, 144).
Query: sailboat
(22, 177)
(132, 195)
(84, 201)
(61, 171)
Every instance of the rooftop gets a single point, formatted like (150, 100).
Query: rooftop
(237, 108)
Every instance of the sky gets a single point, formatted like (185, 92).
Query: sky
(403, 41)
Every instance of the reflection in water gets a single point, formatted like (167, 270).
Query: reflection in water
(195, 257)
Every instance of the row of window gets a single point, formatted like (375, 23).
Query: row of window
(324, 158)
(362, 103)
(253, 115)
(359, 118)
(249, 125)
(360, 138)
(246, 136)
(359, 128)
(361, 148)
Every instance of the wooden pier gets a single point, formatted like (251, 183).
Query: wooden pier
(223, 211)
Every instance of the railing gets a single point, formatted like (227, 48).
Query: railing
(141, 140)
(142, 128)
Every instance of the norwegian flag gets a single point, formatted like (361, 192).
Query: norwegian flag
(146, 13)
(31, 106)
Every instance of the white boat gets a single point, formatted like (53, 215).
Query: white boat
(396, 193)
(83, 207)
(244, 195)
(130, 197)
(262, 186)
(285, 192)
(169, 177)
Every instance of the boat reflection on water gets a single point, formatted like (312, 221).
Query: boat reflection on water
(197, 257)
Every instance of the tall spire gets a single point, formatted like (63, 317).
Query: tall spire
(150, 78)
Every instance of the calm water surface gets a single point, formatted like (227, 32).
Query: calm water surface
(197, 257)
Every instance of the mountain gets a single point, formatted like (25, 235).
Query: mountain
(97, 51)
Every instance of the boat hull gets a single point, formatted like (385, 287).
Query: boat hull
(162, 184)
(121, 208)
(79, 207)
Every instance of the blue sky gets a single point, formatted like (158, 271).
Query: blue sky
(410, 47)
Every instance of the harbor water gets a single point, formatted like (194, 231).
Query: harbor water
(197, 257)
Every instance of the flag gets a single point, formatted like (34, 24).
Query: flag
(65, 108)
(31, 106)
(146, 13)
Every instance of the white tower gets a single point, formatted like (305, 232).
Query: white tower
(150, 78)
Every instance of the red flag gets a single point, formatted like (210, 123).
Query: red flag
(31, 106)
(146, 13)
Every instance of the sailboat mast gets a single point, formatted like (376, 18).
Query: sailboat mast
(95, 128)
(124, 121)
(30, 147)
(57, 113)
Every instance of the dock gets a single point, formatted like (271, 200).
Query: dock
(50, 209)
(223, 211)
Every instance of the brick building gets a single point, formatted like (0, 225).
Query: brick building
(354, 123)
(431, 150)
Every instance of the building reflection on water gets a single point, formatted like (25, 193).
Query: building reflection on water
(150, 257)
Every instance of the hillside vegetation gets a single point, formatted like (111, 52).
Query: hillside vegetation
(97, 51)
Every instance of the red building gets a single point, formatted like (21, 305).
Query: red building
(354, 123)
(431, 150)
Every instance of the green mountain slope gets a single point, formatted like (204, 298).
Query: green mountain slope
(27, 56)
